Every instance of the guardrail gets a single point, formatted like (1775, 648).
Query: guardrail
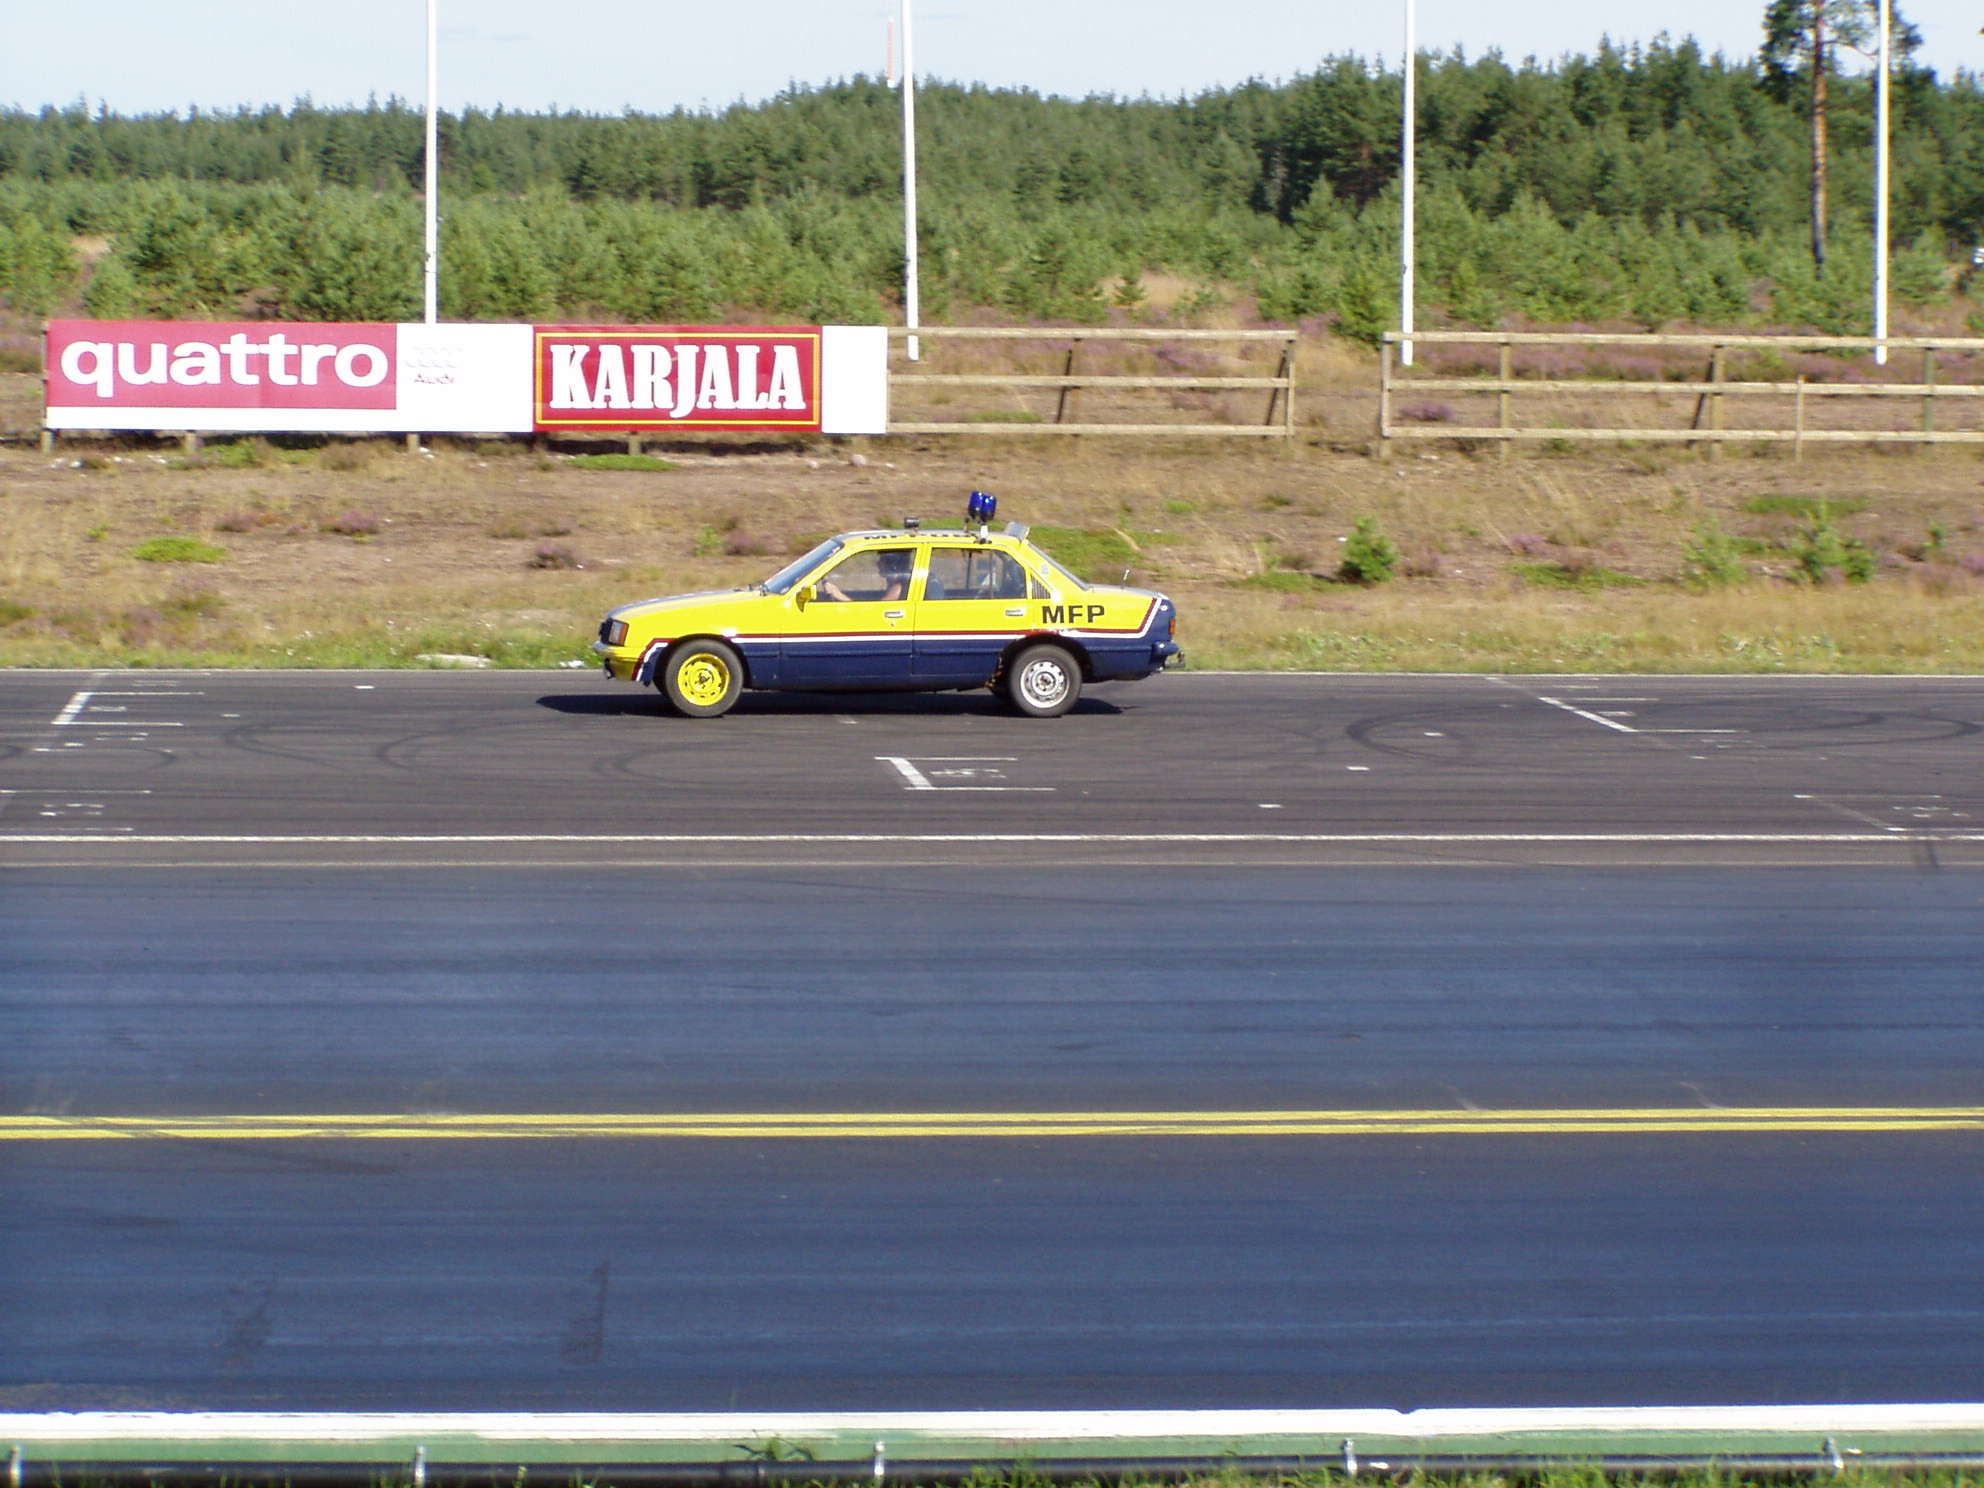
(1707, 425)
(1070, 382)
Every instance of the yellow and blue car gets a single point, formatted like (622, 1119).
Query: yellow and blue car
(902, 609)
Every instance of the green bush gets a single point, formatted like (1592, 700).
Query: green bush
(178, 550)
(1369, 557)
(1823, 552)
(1712, 560)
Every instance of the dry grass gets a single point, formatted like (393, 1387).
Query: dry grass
(1246, 538)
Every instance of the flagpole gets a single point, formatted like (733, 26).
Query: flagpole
(431, 274)
(1408, 181)
(1881, 190)
(909, 304)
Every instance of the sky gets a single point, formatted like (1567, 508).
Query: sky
(604, 56)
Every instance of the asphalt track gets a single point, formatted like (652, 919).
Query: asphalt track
(1234, 1042)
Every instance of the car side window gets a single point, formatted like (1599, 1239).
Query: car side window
(974, 573)
(878, 574)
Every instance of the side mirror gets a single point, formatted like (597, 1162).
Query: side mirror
(803, 597)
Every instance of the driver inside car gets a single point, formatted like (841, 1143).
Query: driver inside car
(881, 577)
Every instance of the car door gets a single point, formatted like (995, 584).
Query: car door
(854, 629)
(972, 604)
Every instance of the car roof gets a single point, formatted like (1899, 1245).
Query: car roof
(912, 534)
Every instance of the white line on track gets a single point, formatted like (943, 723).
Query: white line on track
(915, 779)
(1005, 1426)
(70, 709)
(1624, 728)
(1925, 834)
(909, 772)
(71, 715)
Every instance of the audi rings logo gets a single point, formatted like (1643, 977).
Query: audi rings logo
(430, 363)
(431, 356)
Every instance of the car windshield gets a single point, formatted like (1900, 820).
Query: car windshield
(1072, 581)
(793, 572)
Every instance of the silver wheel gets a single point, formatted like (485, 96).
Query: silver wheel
(1044, 682)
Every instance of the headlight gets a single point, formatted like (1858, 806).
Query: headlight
(613, 632)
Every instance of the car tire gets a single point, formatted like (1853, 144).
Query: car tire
(702, 679)
(1043, 682)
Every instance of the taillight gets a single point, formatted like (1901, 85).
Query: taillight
(1172, 629)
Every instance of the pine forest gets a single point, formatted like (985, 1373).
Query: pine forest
(1645, 187)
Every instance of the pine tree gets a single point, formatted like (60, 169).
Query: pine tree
(1806, 34)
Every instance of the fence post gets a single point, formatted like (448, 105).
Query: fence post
(1289, 353)
(1502, 402)
(1798, 437)
(1069, 396)
(47, 441)
(1385, 401)
(1717, 365)
(633, 443)
(1287, 370)
(1928, 398)
(189, 444)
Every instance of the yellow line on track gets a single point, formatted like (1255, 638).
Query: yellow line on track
(1009, 1124)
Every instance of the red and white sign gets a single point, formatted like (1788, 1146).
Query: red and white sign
(831, 379)
(677, 377)
(168, 364)
(275, 376)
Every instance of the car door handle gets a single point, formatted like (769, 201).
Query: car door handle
(1020, 611)
(893, 614)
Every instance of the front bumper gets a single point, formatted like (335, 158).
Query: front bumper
(617, 664)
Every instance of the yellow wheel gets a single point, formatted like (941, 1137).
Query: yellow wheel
(702, 678)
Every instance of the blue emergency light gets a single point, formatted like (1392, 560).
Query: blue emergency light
(983, 504)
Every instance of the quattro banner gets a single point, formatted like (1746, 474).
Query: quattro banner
(272, 376)
(208, 376)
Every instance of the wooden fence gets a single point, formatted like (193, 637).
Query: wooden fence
(1809, 408)
(1070, 383)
